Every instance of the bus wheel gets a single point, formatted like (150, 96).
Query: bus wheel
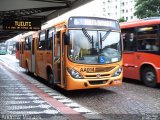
(51, 80)
(149, 77)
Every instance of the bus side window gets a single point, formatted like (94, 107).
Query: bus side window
(17, 46)
(128, 39)
(155, 46)
(57, 52)
(42, 41)
(147, 38)
(50, 36)
(29, 42)
(26, 44)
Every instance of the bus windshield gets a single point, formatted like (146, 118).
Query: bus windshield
(94, 46)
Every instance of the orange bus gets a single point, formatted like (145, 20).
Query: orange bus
(141, 40)
(79, 53)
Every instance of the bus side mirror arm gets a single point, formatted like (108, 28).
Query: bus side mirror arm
(66, 39)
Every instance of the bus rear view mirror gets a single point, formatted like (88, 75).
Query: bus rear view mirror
(66, 39)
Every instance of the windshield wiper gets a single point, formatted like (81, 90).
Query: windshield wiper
(90, 39)
(106, 34)
(100, 49)
(103, 38)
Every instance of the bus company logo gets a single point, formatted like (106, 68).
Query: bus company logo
(98, 75)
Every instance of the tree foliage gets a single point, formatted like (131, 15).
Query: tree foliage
(121, 20)
(147, 8)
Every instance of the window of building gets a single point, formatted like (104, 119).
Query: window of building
(104, 10)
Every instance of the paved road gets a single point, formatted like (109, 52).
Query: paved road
(130, 101)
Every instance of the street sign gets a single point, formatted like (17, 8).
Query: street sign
(31, 24)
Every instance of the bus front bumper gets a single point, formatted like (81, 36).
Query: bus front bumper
(75, 84)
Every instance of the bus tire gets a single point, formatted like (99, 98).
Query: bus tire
(51, 80)
(149, 76)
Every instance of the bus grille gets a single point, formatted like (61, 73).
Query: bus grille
(95, 76)
(104, 69)
(97, 82)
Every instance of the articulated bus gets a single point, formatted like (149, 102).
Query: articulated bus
(141, 40)
(79, 53)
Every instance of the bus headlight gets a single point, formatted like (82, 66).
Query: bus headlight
(118, 72)
(75, 74)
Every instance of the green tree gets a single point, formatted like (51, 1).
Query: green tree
(147, 8)
(121, 20)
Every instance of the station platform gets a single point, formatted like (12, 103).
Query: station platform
(22, 97)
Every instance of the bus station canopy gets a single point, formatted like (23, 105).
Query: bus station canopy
(41, 9)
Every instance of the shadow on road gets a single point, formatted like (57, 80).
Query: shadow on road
(132, 81)
(86, 92)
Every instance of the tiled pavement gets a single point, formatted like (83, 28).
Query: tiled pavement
(19, 100)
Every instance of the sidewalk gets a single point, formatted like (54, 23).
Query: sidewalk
(18, 100)
(25, 98)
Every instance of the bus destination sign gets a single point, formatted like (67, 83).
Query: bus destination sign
(22, 25)
(81, 22)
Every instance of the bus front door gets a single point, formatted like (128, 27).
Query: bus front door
(21, 55)
(33, 56)
(58, 57)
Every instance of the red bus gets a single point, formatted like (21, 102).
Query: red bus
(141, 40)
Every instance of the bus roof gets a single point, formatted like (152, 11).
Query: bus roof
(141, 22)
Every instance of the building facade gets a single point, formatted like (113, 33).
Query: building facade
(117, 9)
